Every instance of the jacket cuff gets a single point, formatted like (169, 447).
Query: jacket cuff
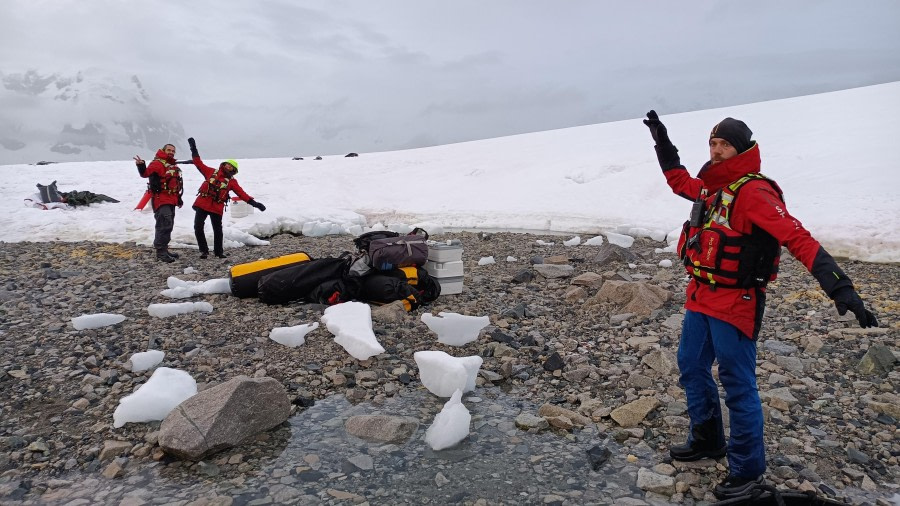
(828, 274)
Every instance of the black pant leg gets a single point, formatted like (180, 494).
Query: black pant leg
(165, 222)
(218, 239)
(199, 232)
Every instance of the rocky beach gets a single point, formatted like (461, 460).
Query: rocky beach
(576, 403)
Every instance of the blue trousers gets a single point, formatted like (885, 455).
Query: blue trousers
(704, 339)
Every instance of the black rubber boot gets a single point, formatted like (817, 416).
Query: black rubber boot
(172, 254)
(204, 254)
(162, 256)
(733, 486)
(703, 443)
(221, 255)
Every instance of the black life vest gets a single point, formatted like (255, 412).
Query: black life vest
(715, 254)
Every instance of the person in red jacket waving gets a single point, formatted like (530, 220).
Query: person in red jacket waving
(166, 187)
(730, 247)
(212, 197)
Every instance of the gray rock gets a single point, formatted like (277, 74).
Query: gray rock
(529, 421)
(553, 271)
(661, 361)
(654, 482)
(779, 347)
(878, 360)
(779, 398)
(792, 364)
(383, 428)
(224, 416)
(588, 279)
(609, 253)
(363, 462)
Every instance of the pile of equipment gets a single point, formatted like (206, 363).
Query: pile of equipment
(386, 267)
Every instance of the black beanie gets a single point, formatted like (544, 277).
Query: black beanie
(735, 131)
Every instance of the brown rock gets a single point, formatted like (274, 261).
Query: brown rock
(552, 410)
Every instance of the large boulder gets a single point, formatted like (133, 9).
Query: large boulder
(224, 416)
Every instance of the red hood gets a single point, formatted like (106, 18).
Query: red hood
(163, 156)
(721, 174)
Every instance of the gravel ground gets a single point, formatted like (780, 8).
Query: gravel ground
(831, 423)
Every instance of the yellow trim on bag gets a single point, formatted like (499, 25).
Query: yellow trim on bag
(412, 275)
(260, 265)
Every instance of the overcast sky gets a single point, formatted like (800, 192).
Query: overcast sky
(288, 78)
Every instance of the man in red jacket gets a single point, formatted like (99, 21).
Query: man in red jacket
(212, 198)
(730, 248)
(166, 187)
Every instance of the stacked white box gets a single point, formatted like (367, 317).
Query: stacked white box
(445, 264)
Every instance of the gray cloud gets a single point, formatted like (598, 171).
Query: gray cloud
(274, 78)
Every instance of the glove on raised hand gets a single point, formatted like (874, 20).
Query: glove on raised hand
(193, 146)
(846, 298)
(666, 152)
(256, 205)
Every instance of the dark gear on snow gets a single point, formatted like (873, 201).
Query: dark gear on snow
(257, 205)
(84, 198)
(49, 193)
(666, 152)
(846, 298)
(735, 131)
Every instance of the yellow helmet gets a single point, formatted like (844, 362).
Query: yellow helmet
(233, 164)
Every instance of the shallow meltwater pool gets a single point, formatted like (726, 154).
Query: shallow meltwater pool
(312, 459)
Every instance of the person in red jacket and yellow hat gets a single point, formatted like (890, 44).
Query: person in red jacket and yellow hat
(166, 187)
(730, 247)
(212, 197)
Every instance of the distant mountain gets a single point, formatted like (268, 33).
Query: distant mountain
(92, 115)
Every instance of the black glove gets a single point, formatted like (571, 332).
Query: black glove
(846, 298)
(657, 129)
(666, 152)
(193, 146)
(256, 205)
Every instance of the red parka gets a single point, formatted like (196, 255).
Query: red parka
(760, 205)
(214, 192)
(169, 174)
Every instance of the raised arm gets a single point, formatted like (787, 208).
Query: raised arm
(204, 169)
(677, 176)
